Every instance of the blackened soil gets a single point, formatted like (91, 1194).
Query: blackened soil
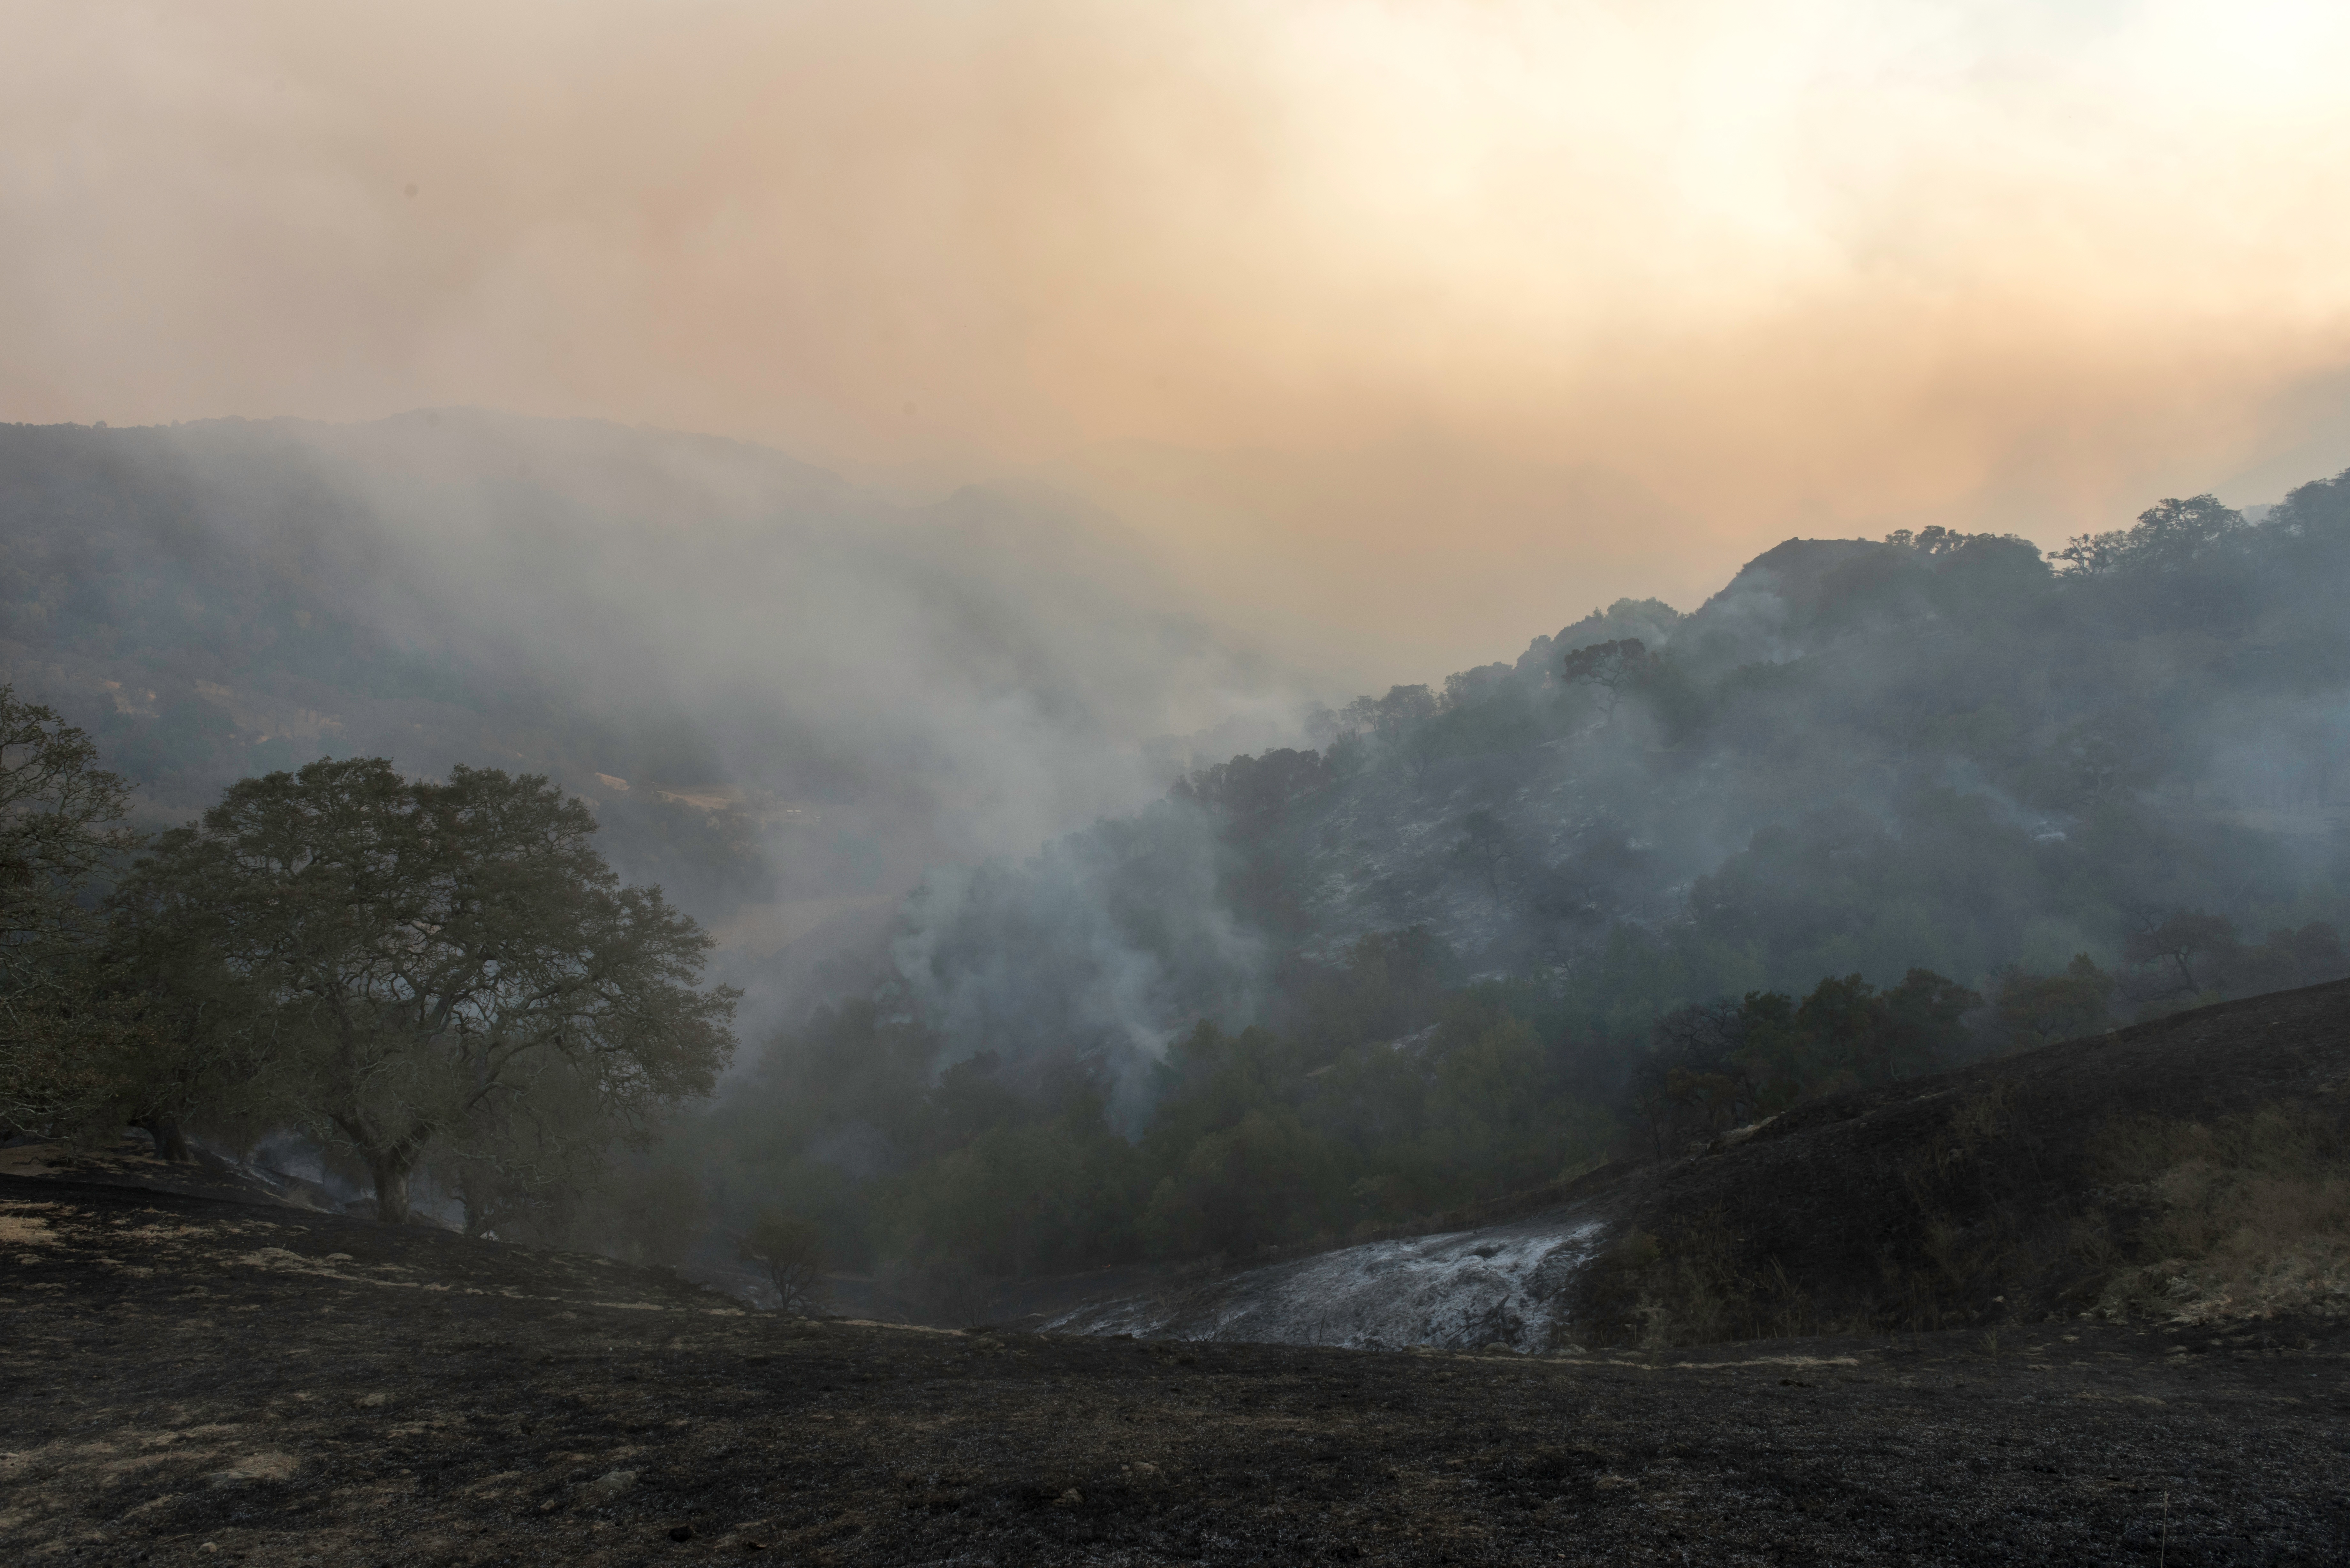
(194, 1381)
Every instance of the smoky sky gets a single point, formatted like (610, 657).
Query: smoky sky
(1400, 331)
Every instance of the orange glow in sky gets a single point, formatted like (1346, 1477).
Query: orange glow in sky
(1401, 330)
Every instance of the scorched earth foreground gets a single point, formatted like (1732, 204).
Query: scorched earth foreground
(196, 1380)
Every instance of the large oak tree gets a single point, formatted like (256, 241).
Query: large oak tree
(61, 827)
(410, 963)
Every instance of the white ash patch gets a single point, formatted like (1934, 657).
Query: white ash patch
(1462, 1289)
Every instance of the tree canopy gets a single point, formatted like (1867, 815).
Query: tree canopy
(407, 963)
(61, 825)
(1612, 669)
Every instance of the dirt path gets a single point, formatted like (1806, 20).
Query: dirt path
(192, 1381)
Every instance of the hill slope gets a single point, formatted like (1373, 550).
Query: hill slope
(1859, 756)
(2197, 1167)
(1878, 808)
(2192, 1169)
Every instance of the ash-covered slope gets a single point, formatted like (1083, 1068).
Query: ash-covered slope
(1502, 1286)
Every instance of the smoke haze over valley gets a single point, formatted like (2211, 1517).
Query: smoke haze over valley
(664, 623)
(912, 765)
(1535, 678)
(1340, 305)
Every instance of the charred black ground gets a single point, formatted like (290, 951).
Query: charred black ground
(194, 1381)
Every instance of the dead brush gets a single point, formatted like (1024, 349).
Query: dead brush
(2012, 1216)
(2243, 1217)
(1690, 1286)
(1969, 1187)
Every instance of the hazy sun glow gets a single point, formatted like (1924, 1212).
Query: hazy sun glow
(1409, 327)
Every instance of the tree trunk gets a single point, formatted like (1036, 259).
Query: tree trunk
(171, 1143)
(391, 1169)
(473, 1191)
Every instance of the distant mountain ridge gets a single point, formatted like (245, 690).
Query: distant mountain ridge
(1937, 751)
(876, 688)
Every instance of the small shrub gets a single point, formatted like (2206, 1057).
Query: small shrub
(1687, 1287)
(792, 1252)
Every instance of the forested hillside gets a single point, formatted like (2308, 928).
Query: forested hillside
(206, 620)
(1875, 808)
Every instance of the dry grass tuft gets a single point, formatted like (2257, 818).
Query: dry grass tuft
(1691, 1286)
(20, 1228)
(2246, 1217)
